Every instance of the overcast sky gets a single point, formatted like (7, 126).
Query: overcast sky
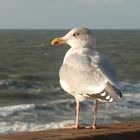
(62, 14)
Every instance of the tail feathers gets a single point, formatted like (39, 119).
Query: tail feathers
(113, 91)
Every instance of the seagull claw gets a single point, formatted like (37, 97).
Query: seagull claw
(94, 126)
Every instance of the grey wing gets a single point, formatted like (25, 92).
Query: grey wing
(108, 70)
(105, 68)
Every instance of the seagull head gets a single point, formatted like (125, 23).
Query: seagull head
(77, 38)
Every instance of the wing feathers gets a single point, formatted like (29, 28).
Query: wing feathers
(113, 91)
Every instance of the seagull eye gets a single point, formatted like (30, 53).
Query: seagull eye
(75, 34)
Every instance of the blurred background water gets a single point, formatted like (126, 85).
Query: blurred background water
(30, 95)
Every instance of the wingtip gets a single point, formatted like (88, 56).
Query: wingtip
(118, 92)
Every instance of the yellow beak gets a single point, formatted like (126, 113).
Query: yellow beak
(58, 41)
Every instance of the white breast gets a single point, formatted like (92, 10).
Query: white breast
(64, 85)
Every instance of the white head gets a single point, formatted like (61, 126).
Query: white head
(77, 38)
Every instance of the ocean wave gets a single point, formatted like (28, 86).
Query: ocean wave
(27, 86)
(50, 113)
(14, 127)
(9, 83)
(13, 109)
(130, 87)
(62, 101)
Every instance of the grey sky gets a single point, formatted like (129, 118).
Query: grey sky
(53, 14)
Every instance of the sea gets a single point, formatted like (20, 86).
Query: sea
(31, 98)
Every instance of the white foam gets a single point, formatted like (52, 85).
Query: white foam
(10, 110)
(12, 127)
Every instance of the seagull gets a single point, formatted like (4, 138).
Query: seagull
(86, 73)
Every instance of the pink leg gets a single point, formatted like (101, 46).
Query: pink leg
(77, 114)
(76, 125)
(95, 114)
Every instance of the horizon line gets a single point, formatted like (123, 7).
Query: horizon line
(68, 28)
